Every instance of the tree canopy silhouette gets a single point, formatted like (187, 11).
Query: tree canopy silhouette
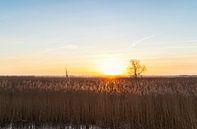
(135, 68)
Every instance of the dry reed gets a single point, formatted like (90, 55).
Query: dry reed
(146, 103)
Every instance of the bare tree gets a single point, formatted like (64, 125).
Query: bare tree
(135, 68)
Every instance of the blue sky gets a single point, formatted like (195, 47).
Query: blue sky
(43, 36)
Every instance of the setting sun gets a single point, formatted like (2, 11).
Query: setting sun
(112, 66)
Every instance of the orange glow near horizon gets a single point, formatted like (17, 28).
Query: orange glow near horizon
(111, 66)
(106, 65)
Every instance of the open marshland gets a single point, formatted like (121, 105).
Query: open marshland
(115, 103)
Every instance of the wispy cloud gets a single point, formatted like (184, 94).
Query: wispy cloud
(142, 40)
(71, 46)
(191, 41)
(65, 47)
(178, 47)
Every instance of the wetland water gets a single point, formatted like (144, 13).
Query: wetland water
(11, 126)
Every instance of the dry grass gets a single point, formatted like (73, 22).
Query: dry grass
(148, 103)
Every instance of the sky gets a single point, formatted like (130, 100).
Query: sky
(43, 37)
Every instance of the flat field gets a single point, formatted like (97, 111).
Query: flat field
(115, 103)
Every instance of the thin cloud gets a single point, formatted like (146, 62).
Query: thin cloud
(191, 41)
(181, 47)
(66, 47)
(71, 46)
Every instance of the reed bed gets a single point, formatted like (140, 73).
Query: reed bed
(115, 103)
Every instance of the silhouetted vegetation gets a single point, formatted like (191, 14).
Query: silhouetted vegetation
(121, 103)
(135, 68)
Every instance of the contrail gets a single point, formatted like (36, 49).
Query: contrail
(142, 40)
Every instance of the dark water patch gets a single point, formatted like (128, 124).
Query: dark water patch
(49, 126)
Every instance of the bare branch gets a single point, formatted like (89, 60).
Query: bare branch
(135, 68)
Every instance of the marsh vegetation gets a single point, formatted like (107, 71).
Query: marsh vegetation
(116, 103)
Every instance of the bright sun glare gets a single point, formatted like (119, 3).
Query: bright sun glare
(112, 66)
